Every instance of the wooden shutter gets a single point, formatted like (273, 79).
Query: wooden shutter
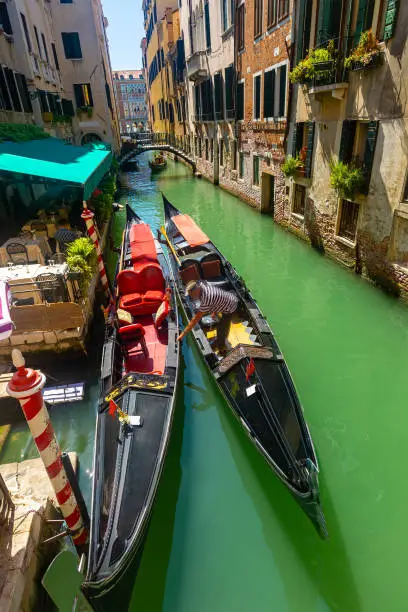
(207, 24)
(391, 15)
(309, 151)
(328, 22)
(219, 102)
(229, 91)
(282, 90)
(370, 152)
(257, 85)
(269, 93)
(67, 108)
(297, 139)
(79, 96)
(364, 18)
(347, 141)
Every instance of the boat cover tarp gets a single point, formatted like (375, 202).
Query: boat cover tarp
(55, 160)
(142, 245)
(191, 232)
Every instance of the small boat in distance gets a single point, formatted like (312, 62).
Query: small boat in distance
(139, 371)
(158, 162)
(253, 375)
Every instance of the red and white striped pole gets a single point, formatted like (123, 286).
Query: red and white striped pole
(87, 216)
(26, 385)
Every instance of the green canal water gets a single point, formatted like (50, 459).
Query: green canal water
(225, 535)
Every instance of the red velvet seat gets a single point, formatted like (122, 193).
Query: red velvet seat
(131, 336)
(141, 289)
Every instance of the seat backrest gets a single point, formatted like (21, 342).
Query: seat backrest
(128, 282)
(211, 267)
(190, 271)
(151, 277)
(16, 248)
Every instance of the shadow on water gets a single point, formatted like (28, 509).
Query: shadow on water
(288, 532)
(150, 584)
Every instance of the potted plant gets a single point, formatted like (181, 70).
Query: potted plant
(367, 54)
(347, 179)
(88, 110)
(316, 63)
(291, 166)
(81, 259)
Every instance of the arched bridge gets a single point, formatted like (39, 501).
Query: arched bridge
(146, 141)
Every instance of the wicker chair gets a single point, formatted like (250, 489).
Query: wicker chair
(17, 252)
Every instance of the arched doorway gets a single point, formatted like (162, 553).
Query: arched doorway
(89, 138)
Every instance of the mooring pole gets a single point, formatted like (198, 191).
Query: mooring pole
(26, 386)
(88, 216)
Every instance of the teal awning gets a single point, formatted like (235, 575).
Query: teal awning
(55, 160)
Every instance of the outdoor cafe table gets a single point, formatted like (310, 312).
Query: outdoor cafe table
(37, 249)
(25, 277)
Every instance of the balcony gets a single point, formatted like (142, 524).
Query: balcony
(330, 78)
(197, 66)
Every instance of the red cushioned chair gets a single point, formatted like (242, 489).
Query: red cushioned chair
(131, 336)
(141, 289)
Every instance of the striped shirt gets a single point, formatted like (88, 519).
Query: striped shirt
(214, 299)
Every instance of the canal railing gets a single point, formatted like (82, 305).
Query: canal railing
(6, 503)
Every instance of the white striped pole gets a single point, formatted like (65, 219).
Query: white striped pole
(26, 385)
(88, 216)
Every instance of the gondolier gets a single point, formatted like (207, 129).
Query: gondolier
(209, 299)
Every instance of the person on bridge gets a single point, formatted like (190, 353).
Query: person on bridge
(208, 299)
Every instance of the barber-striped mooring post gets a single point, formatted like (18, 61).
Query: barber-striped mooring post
(26, 386)
(88, 216)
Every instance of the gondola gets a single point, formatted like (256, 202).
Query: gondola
(139, 371)
(252, 375)
(158, 163)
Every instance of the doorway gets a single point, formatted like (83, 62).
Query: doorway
(267, 193)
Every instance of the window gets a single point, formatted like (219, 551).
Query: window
(221, 145)
(54, 53)
(241, 27)
(282, 90)
(275, 88)
(299, 198)
(399, 243)
(207, 105)
(72, 45)
(271, 13)
(364, 19)
(229, 92)
(83, 94)
(45, 48)
(241, 165)
(26, 34)
(207, 149)
(200, 150)
(258, 9)
(283, 9)
(12, 87)
(224, 15)
(212, 150)
(405, 196)
(328, 21)
(357, 146)
(5, 19)
(66, 1)
(37, 38)
(348, 220)
(257, 97)
(302, 145)
(23, 91)
(207, 24)
(219, 98)
(303, 29)
(240, 101)
(5, 100)
(255, 170)
(233, 154)
(67, 108)
(269, 94)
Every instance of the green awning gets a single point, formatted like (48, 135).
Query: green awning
(55, 160)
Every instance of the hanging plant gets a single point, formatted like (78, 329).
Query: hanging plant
(366, 54)
(291, 166)
(316, 61)
(347, 179)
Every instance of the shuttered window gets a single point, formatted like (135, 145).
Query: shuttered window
(83, 94)
(269, 94)
(221, 152)
(12, 87)
(197, 105)
(255, 170)
(241, 27)
(370, 152)
(219, 102)
(348, 220)
(303, 31)
(271, 13)
(229, 92)
(5, 19)
(171, 112)
(257, 97)
(45, 48)
(224, 15)
(240, 101)
(258, 9)
(282, 90)
(297, 139)
(44, 102)
(364, 18)
(54, 53)
(23, 91)
(5, 99)
(207, 24)
(328, 22)
(310, 126)
(391, 14)
(72, 45)
(26, 34)
(37, 38)
(67, 108)
(283, 9)
(347, 141)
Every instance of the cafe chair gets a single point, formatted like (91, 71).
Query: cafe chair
(51, 287)
(25, 235)
(39, 227)
(17, 252)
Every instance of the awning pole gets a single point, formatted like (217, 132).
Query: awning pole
(87, 216)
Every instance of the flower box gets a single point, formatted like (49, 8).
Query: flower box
(374, 60)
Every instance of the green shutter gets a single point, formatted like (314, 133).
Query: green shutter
(207, 25)
(309, 152)
(282, 90)
(328, 21)
(229, 91)
(391, 15)
(240, 101)
(370, 152)
(297, 137)
(364, 18)
(269, 93)
(219, 106)
(347, 141)
(257, 86)
(303, 29)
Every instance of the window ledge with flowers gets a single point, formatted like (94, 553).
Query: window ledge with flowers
(321, 70)
(368, 53)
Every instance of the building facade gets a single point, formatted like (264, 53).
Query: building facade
(349, 119)
(55, 69)
(130, 95)
(163, 62)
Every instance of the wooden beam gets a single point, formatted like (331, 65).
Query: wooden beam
(47, 317)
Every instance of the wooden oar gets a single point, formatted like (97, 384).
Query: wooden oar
(163, 231)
